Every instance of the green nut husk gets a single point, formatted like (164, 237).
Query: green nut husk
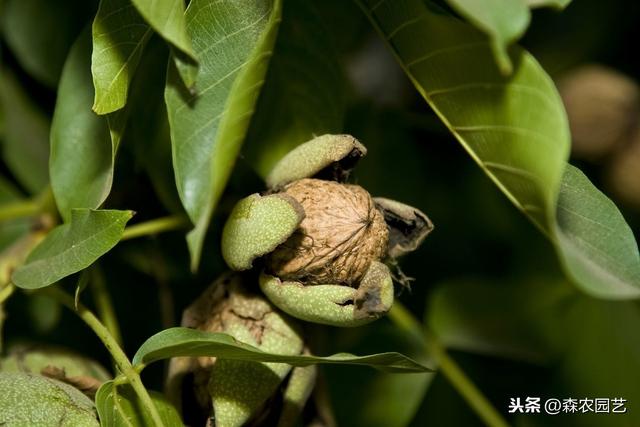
(235, 390)
(58, 363)
(256, 226)
(301, 383)
(332, 304)
(34, 400)
(327, 156)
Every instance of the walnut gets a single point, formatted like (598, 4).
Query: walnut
(341, 234)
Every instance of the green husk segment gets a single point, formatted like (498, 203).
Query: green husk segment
(374, 296)
(299, 388)
(310, 158)
(239, 388)
(33, 359)
(256, 226)
(34, 400)
(335, 305)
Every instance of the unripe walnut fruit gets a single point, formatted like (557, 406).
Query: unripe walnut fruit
(341, 234)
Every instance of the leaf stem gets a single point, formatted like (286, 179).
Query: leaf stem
(42, 203)
(463, 384)
(155, 226)
(403, 318)
(6, 292)
(19, 209)
(104, 304)
(112, 346)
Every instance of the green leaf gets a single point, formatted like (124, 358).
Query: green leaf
(44, 313)
(29, 400)
(167, 18)
(176, 342)
(25, 146)
(119, 406)
(40, 33)
(556, 4)
(516, 129)
(72, 247)
(504, 21)
(489, 114)
(595, 243)
(305, 91)
(233, 41)
(119, 37)
(83, 144)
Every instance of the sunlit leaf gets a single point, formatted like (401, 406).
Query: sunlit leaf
(120, 406)
(305, 91)
(167, 18)
(233, 41)
(596, 244)
(41, 32)
(504, 21)
(516, 129)
(72, 247)
(25, 146)
(175, 342)
(119, 37)
(557, 4)
(83, 144)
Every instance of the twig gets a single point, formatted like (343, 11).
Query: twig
(155, 226)
(121, 360)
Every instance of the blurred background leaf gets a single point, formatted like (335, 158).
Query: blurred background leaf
(40, 33)
(305, 90)
(25, 145)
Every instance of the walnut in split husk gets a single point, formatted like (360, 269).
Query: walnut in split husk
(322, 243)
